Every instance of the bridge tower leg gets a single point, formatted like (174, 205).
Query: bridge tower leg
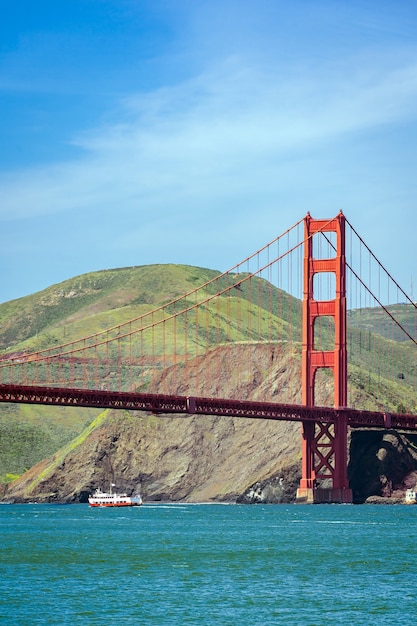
(324, 445)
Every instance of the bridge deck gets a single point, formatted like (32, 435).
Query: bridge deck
(186, 405)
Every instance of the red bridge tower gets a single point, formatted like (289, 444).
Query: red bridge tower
(324, 446)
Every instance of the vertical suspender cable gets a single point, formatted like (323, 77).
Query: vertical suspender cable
(218, 349)
(153, 364)
(208, 351)
(185, 382)
(239, 334)
(174, 382)
(196, 350)
(130, 359)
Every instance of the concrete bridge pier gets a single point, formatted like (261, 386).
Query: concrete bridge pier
(317, 495)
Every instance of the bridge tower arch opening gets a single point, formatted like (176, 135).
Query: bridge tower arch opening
(324, 444)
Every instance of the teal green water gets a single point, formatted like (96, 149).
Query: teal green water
(208, 564)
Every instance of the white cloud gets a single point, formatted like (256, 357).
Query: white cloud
(233, 130)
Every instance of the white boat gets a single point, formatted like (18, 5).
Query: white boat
(101, 498)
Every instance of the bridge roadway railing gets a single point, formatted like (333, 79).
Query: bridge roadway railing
(190, 405)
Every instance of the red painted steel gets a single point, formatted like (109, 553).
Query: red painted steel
(324, 448)
(186, 405)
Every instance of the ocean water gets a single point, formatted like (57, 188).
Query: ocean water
(208, 564)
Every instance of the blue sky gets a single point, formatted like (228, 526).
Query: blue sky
(195, 131)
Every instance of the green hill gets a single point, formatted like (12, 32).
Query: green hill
(96, 301)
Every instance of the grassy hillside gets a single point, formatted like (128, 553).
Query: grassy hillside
(60, 313)
(252, 311)
(91, 302)
(377, 321)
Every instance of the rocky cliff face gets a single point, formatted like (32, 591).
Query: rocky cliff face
(193, 458)
(383, 464)
(200, 458)
(165, 458)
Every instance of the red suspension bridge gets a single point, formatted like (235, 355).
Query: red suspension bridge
(313, 306)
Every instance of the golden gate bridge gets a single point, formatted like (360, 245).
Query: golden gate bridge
(314, 301)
